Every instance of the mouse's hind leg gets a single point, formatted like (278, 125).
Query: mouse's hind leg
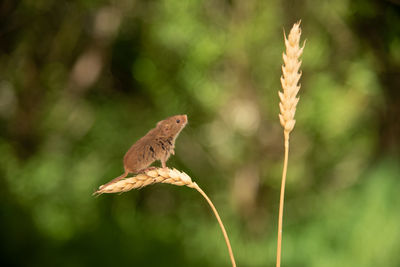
(164, 160)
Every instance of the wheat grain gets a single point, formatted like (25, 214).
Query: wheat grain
(160, 175)
(290, 79)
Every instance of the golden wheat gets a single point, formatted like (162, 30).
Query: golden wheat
(167, 176)
(290, 85)
(290, 79)
(160, 175)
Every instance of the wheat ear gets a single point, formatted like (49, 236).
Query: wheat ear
(288, 101)
(167, 176)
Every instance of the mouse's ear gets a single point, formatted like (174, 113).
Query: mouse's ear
(161, 124)
(165, 127)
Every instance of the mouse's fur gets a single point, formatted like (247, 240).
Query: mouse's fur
(157, 144)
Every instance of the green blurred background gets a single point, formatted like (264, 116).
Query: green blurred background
(80, 81)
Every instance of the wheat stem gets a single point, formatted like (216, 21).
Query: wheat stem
(220, 223)
(281, 201)
(169, 176)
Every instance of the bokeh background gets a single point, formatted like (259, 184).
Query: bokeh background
(80, 81)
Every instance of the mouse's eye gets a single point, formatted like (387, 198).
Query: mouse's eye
(178, 121)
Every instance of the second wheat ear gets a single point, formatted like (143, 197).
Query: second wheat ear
(166, 176)
(288, 101)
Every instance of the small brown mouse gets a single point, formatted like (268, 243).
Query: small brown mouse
(157, 144)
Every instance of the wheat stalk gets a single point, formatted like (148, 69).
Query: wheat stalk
(167, 176)
(289, 81)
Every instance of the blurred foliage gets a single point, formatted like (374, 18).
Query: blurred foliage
(80, 81)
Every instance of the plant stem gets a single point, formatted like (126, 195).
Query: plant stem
(195, 186)
(282, 199)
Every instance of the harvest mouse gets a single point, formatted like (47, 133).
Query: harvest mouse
(157, 144)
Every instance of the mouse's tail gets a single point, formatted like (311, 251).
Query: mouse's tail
(113, 180)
